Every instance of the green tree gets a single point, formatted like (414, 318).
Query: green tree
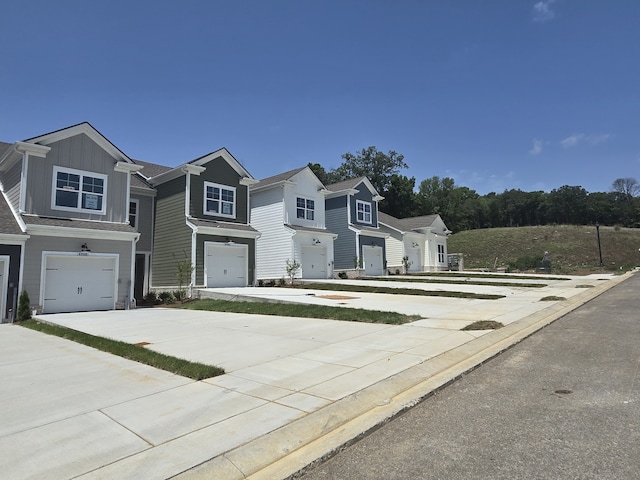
(400, 199)
(369, 162)
(24, 306)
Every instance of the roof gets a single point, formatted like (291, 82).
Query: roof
(308, 229)
(8, 223)
(418, 222)
(391, 221)
(73, 223)
(218, 224)
(345, 185)
(4, 147)
(151, 169)
(275, 179)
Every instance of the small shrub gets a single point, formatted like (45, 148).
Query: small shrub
(150, 298)
(166, 298)
(282, 282)
(180, 295)
(397, 271)
(525, 263)
(552, 298)
(484, 325)
(292, 268)
(24, 307)
(343, 275)
(270, 283)
(261, 283)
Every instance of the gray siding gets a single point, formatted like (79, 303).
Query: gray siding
(200, 280)
(11, 183)
(218, 171)
(81, 153)
(145, 222)
(365, 195)
(337, 222)
(172, 238)
(38, 244)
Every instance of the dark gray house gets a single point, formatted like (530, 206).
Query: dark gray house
(351, 212)
(202, 216)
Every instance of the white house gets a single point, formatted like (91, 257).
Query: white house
(422, 239)
(288, 210)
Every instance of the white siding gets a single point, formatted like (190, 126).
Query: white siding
(274, 246)
(395, 251)
(306, 187)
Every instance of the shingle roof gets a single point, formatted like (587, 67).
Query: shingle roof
(151, 169)
(281, 177)
(73, 223)
(8, 223)
(345, 185)
(391, 221)
(308, 229)
(4, 147)
(418, 222)
(217, 224)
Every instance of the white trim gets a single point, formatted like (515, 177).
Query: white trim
(132, 277)
(137, 215)
(9, 239)
(4, 285)
(70, 232)
(125, 167)
(220, 187)
(187, 194)
(194, 251)
(365, 203)
(23, 183)
(223, 232)
(18, 218)
(49, 253)
(82, 173)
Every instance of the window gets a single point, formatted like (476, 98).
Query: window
(440, 253)
(133, 213)
(75, 190)
(305, 208)
(363, 211)
(219, 200)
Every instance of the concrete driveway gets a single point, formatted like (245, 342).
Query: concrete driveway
(73, 412)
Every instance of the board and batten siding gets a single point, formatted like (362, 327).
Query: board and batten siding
(218, 171)
(81, 153)
(344, 247)
(275, 244)
(11, 183)
(172, 238)
(39, 243)
(145, 221)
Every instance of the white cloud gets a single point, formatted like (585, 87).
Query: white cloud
(537, 147)
(542, 11)
(591, 139)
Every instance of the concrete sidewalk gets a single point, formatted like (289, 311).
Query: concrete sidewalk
(295, 389)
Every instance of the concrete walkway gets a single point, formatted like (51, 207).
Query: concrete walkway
(295, 389)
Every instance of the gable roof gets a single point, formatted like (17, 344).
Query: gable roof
(276, 179)
(8, 223)
(391, 221)
(351, 184)
(151, 169)
(424, 221)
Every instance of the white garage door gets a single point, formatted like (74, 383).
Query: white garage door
(79, 284)
(314, 262)
(415, 257)
(4, 280)
(372, 259)
(226, 265)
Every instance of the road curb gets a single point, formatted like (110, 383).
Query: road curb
(291, 450)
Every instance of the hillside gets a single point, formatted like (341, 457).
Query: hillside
(572, 249)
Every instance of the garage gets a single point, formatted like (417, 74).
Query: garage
(314, 261)
(226, 265)
(74, 283)
(4, 281)
(372, 259)
(415, 259)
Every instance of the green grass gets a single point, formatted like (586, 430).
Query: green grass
(484, 325)
(487, 275)
(185, 368)
(455, 282)
(552, 298)
(572, 249)
(301, 310)
(341, 287)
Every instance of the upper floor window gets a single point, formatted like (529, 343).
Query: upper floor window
(219, 200)
(78, 191)
(133, 213)
(440, 253)
(305, 208)
(363, 211)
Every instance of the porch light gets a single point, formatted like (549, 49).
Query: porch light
(316, 241)
(84, 248)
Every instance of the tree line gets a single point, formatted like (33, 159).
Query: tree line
(463, 208)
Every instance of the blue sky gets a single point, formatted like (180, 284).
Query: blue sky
(495, 94)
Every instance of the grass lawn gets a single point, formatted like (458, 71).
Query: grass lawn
(137, 353)
(458, 281)
(490, 276)
(302, 310)
(341, 287)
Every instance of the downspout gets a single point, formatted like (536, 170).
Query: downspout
(132, 277)
(194, 237)
(23, 183)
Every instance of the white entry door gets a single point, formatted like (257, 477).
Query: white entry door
(372, 259)
(415, 257)
(226, 265)
(79, 284)
(314, 262)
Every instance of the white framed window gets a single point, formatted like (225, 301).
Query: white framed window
(134, 209)
(363, 211)
(78, 191)
(219, 200)
(305, 208)
(440, 253)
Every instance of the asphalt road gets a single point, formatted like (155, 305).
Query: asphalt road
(563, 404)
